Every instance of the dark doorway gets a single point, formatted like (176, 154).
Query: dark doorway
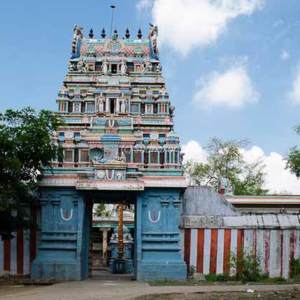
(103, 234)
(112, 105)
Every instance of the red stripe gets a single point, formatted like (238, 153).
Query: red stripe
(33, 235)
(292, 244)
(292, 247)
(200, 250)
(20, 251)
(6, 256)
(187, 246)
(213, 251)
(254, 243)
(240, 247)
(267, 250)
(226, 254)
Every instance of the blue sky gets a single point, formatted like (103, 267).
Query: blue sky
(251, 44)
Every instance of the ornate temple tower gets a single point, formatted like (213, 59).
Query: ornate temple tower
(119, 144)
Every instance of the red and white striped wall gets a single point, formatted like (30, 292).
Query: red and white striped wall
(17, 254)
(209, 250)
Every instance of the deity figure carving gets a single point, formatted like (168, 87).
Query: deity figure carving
(123, 68)
(225, 186)
(181, 157)
(105, 67)
(148, 66)
(163, 91)
(90, 67)
(123, 156)
(72, 66)
(76, 107)
(123, 105)
(100, 104)
(81, 66)
(96, 155)
(63, 90)
(158, 68)
(172, 110)
(153, 34)
(77, 37)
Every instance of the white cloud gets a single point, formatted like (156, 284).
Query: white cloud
(284, 55)
(194, 151)
(232, 89)
(187, 24)
(295, 93)
(143, 5)
(278, 180)
(253, 154)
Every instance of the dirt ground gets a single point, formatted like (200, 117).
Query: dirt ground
(132, 290)
(287, 294)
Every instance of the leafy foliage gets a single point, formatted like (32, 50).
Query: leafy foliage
(25, 147)
(293, 159)
(247, 267)
(102, 211)
(294, 267)
(225, 160)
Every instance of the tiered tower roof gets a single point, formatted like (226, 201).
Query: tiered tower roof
(118, 119)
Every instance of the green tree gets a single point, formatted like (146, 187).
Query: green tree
(293, 159)
(26, 146)
(225, 160)
(102, 210)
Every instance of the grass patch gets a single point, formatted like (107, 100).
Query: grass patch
(223, 279)
(175, 282)
(218, 277)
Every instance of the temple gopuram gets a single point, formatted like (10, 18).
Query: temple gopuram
(119, 147)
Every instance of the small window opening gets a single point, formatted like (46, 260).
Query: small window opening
(142, 108)
(112, 106)
(114, 68)
(98, 66)
(162, 158)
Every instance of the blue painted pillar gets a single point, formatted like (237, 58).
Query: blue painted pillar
(158, 249)
(63, 238)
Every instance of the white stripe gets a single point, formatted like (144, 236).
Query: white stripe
(1, 256)
(286, 253)
(248, 241)
(260, 249)
(206, 258)
(275, 253)
(13, 255)
(220, 251)
(26, 252)
(193, 250)
(233, 247)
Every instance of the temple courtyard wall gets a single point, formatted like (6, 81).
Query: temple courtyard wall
(214, 227)
(215, 230)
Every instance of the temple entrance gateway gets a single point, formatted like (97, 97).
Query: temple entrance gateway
(119, 147)
(65, 235)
